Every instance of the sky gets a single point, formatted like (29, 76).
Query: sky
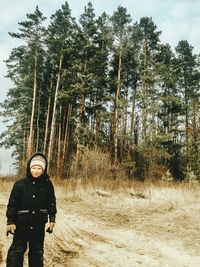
(177, 19)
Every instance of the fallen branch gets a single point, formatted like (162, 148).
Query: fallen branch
(103, 193)
(138, 195)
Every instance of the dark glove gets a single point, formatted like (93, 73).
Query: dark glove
(9, 232)
(10, 229)
(49, 230)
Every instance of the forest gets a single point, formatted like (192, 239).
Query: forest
(103, 91)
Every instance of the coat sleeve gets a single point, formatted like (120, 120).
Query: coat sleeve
(13, 203)
(51, 205)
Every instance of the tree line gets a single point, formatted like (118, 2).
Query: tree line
(103, 82)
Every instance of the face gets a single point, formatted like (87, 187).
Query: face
(36, 171)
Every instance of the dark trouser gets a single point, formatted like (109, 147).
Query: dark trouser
(22, 237)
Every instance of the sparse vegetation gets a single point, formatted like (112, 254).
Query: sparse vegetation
(1, 257)
(102, 218)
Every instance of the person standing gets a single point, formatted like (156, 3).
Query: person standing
(32, 203)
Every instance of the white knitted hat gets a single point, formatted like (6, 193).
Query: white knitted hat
(38, 160)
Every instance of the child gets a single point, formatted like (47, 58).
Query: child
(32, 201)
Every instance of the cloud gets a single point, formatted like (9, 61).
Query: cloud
(10, 12)
(177, 20)
(182, 23)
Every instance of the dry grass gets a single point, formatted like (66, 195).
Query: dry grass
(1, 257)
(148, 197)
(95, 171)
(154, 194)
(140, 222)
(74, 189)
(165, 214)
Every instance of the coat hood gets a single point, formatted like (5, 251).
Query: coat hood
(28, 172)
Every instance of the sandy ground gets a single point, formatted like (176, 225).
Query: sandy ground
(120, 230)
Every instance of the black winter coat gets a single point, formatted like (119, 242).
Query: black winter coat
(32, 200)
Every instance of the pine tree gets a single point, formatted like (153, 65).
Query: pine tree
(103, 42)
(188, 87)
(32, 32)
(103, 83)
(120, 21)
(60, 34)
(150, 41)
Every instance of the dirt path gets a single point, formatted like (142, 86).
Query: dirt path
(120, 231)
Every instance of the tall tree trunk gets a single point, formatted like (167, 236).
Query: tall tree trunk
(24, 164)
(116, 108)
(82, 109)
(91, 116)
(124, 123)
(132, 119)
(82, 106)
(97, 128)
(187, 129)
(30, 139)
(53, 124)
(38, 126)
(144, 94)
(154, 105)
(196, 127)
(195, 130)
(97, 120)
(59, 146)
(82, 95)
(66, 135)
(47, 126)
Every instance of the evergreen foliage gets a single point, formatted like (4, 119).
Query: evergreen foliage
(105, 83)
